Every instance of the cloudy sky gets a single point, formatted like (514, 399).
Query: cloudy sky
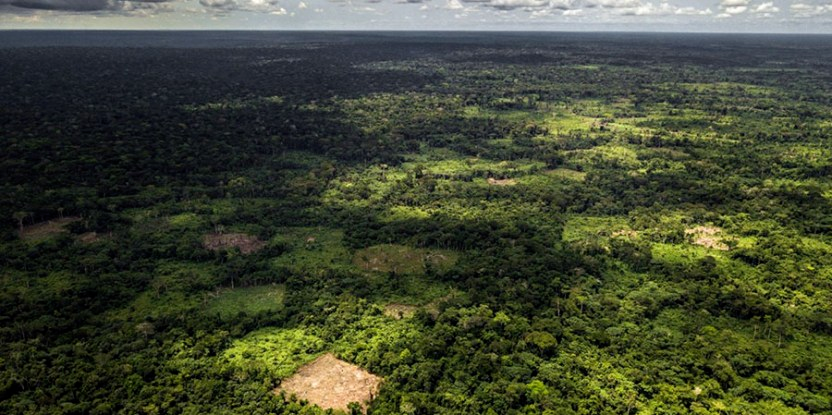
(806, 16)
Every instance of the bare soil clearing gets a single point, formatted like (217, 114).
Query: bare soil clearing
(707, 236)
(46, 229)
(221, 241)
(501, 182)
(332, 383)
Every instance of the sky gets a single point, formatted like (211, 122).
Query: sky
(756, 16)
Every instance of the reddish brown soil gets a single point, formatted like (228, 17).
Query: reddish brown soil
(222, 241)
(332, 383)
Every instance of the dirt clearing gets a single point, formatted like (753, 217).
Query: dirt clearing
(707, 236)
(501, 182)
(46, 229)
(332, 383)
(221, 241)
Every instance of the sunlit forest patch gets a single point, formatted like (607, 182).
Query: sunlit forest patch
(280, 352)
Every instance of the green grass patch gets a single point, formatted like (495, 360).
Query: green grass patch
(567, 174)
(312, 249)
(249, 300)
(186, 221)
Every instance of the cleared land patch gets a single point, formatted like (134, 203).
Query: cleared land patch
(501, 182)
(402, 259)
(250, 300)
(312, 249)
(569, 174)
(222, 241)
(707, 236)
(89, 237)
(46, 229)
(332, 383)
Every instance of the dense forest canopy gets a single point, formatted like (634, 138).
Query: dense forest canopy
(490, 223)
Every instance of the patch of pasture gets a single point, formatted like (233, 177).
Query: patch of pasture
(228, 303)
(400, 259)
(44, 230)
(247, 244)
(311, 249)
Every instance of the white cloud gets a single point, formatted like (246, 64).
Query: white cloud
(613, 4)
(734, 3)
(768, 7)
(732, 7)
(693, 11)
(262, 6)
(809, 10)
(562, 4)
(302, 5)
(454, 5)
(574, 12)
(517, 4)
(649, 9)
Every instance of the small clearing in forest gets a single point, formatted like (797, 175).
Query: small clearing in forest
(400, 259)
(707, 236)
(626, 233)
(222, 241)
(46, 229)
(501, 182)
(332, 383)
(399, 311)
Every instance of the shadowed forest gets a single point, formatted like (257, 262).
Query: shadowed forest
(475, 223)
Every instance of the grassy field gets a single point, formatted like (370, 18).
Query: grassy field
(228, 303)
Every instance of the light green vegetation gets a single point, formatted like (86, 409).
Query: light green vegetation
(475, 167)
(569, 174)
(590, 227)
(228, 303)
(311, 249)
(186, 221)
(280, 352)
